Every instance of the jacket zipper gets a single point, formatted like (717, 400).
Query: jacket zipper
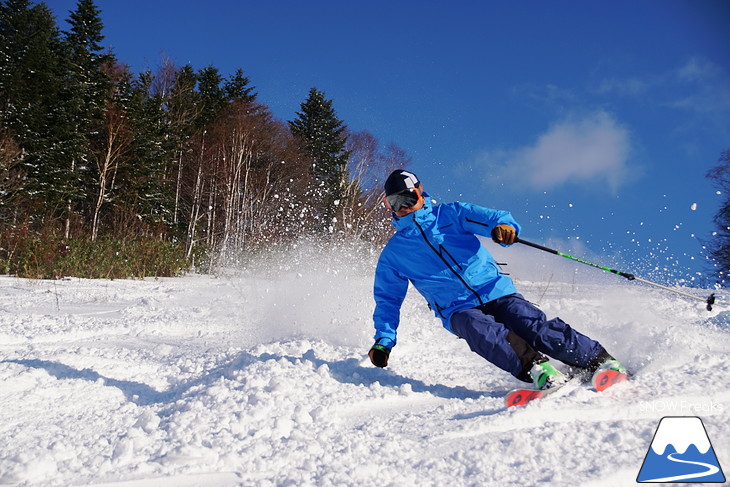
(461, 278)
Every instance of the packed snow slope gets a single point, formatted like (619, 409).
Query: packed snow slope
(258, 376)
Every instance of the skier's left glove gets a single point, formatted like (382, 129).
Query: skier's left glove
(379, 355)
(504, 234)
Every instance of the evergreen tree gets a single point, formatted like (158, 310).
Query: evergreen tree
(212, 96)
(144, 189)
(719, 245)
(324, 138)
(29, 45)
(182, 105)
(32, 77)
(182, 108)
(237, 88)
(85, 97)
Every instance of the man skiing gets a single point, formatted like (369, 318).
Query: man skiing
(436, 248)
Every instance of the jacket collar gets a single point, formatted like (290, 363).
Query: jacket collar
(408, 222)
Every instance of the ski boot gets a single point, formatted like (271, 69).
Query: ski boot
(606, 371)
(545, 376)
(546, 379)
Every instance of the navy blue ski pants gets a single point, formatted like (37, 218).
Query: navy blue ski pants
(512, 333)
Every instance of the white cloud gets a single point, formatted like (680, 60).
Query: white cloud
(704, 88)
(698, 85)
(697, 70)
(591, 150)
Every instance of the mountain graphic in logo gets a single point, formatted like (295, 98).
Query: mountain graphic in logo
(681, 452)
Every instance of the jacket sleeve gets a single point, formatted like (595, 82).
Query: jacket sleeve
(389, 291)
(481, 221)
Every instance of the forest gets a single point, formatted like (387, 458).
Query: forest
(109, 173)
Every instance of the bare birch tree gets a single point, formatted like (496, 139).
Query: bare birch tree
(362, 213)
(117, 139)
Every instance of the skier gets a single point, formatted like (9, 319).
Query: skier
(435, 247)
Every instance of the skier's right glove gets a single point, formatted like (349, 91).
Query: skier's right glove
(379, 355)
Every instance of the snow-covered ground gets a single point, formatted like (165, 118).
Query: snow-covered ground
(259, 377)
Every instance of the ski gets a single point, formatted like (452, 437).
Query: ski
(522, 397)
(601, 380)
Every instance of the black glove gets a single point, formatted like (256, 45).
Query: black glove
(379, 355)
(504, 234)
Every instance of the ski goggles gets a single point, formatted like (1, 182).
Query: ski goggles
(402, 199)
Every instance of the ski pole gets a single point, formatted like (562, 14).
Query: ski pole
(709, 301)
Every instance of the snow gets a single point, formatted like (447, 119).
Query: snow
(259, 377)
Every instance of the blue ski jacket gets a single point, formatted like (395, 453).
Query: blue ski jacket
(437, 250)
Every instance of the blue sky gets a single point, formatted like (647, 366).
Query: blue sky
(593, 122)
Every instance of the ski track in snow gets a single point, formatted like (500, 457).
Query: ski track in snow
(261, 379)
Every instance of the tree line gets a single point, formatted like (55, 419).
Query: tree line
(105, 172)
(719, 244)
(185, 162)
